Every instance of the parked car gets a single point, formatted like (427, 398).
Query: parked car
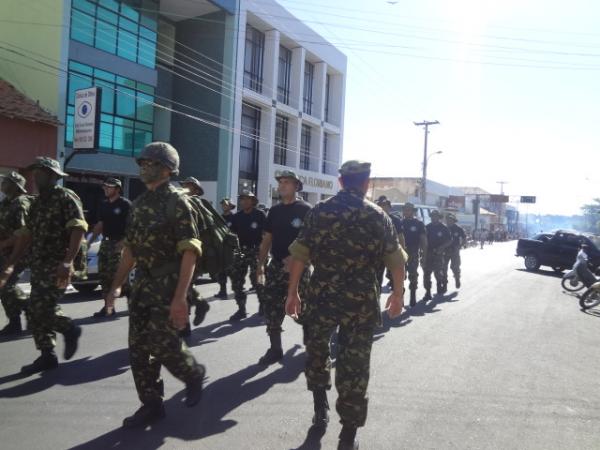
(557, 250)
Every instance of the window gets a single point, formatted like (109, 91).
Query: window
(285, 70)
(327, 92)
(117, 27)
(281, 140)
(127, 113)
(329, 167)
(249, 142)
(253, 59)
(309, 74)
(305, 147)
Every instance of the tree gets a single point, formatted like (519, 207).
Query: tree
(591, 216)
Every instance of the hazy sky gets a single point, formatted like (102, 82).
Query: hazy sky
(514, 84)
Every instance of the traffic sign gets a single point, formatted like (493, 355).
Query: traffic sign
(528, 199)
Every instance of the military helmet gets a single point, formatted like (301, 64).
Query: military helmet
(248, 194)
(195, 182)
(227, 201)
(17, 179)
(48, 163)
(113, 182)
(354, 167)
(293, 175)
(163, 153)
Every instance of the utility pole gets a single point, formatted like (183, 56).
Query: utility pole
(502, 183)
(425, 124)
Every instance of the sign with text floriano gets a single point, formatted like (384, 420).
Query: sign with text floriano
(87, 118)
(528, 199)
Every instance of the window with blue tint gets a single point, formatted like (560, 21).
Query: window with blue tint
(118, 28)
(127, 117)
(81, 24)
(106, 37)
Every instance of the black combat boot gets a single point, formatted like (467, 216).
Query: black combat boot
(12, 328)
(222, 294)
(71, 340)
(428, 296)
(148, 413)
(193, 388)
(413, 297)
(275, 353)
(46, 361)
(348, 439)
(457, 282)
(186, 332)
(321, 417)
(201, 310)
(239, 314)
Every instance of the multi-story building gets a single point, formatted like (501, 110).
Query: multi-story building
(239, 97)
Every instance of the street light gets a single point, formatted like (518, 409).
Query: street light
(424, 179)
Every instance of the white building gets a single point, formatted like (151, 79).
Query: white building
(291, 111)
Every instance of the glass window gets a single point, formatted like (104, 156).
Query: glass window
(283, 79)
(81, 24)
(145, 109)
(103, 75)
(76, 83)
(108, 96)
(249, 144)
(309, 74)
(106, 37)
(327, 91)
(117, 28)
(127, 45)
(305, 147)
(253, 59)
(106, 135)
(281, 140)
(81, 68)
(126, 102)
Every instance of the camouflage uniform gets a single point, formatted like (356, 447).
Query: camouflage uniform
(109, 256)
(347, 239)
(13, 215)
(452, 256)
(52, 216)
(438, 238)
(194, 297)
(155, 244)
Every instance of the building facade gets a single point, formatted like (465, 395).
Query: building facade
(238, 99)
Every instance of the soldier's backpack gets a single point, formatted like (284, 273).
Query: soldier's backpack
(219, 245)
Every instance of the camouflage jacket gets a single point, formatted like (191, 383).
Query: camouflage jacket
(348, 240)
(13, 214)
(155, 240)
(51, 218)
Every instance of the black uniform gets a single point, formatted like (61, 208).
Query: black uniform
(438, 238)
(413, 230)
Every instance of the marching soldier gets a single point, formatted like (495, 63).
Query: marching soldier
(248, 224)
(281, 228)
(452, 257)
(438, 238)
(416, 246)
(164, 252)
(227, 208)
(195, 192)
(384, 203)
(54, 229)
(13, 214)
(347, 239)
(112, 219)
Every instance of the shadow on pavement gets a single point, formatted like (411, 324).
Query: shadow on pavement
(221, 329)
(220, 398)
(420, 309)
(90, 320)
(80, 371)
(547, 273)
(313, 439)
(591, 312)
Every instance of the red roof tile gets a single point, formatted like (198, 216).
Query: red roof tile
(15, 105)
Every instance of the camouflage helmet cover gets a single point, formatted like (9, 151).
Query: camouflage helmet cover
(163, 153)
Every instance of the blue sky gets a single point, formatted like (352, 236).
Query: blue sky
(514, 84)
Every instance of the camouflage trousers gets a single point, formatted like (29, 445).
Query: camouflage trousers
(452, 259)
(44, 314)
(355, 328)
(247, 259)
(109, 257)
(14, 300)
(412, 269)
(153, 341)
(274, 294)
(434, 263)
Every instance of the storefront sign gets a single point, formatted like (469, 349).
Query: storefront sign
(456, 201)
(87, 118)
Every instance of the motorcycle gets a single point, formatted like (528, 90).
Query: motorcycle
(591, 297)
(579, 277)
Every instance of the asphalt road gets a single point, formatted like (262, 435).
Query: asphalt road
(509, 362)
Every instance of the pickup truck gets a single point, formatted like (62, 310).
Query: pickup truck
(556, 250)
